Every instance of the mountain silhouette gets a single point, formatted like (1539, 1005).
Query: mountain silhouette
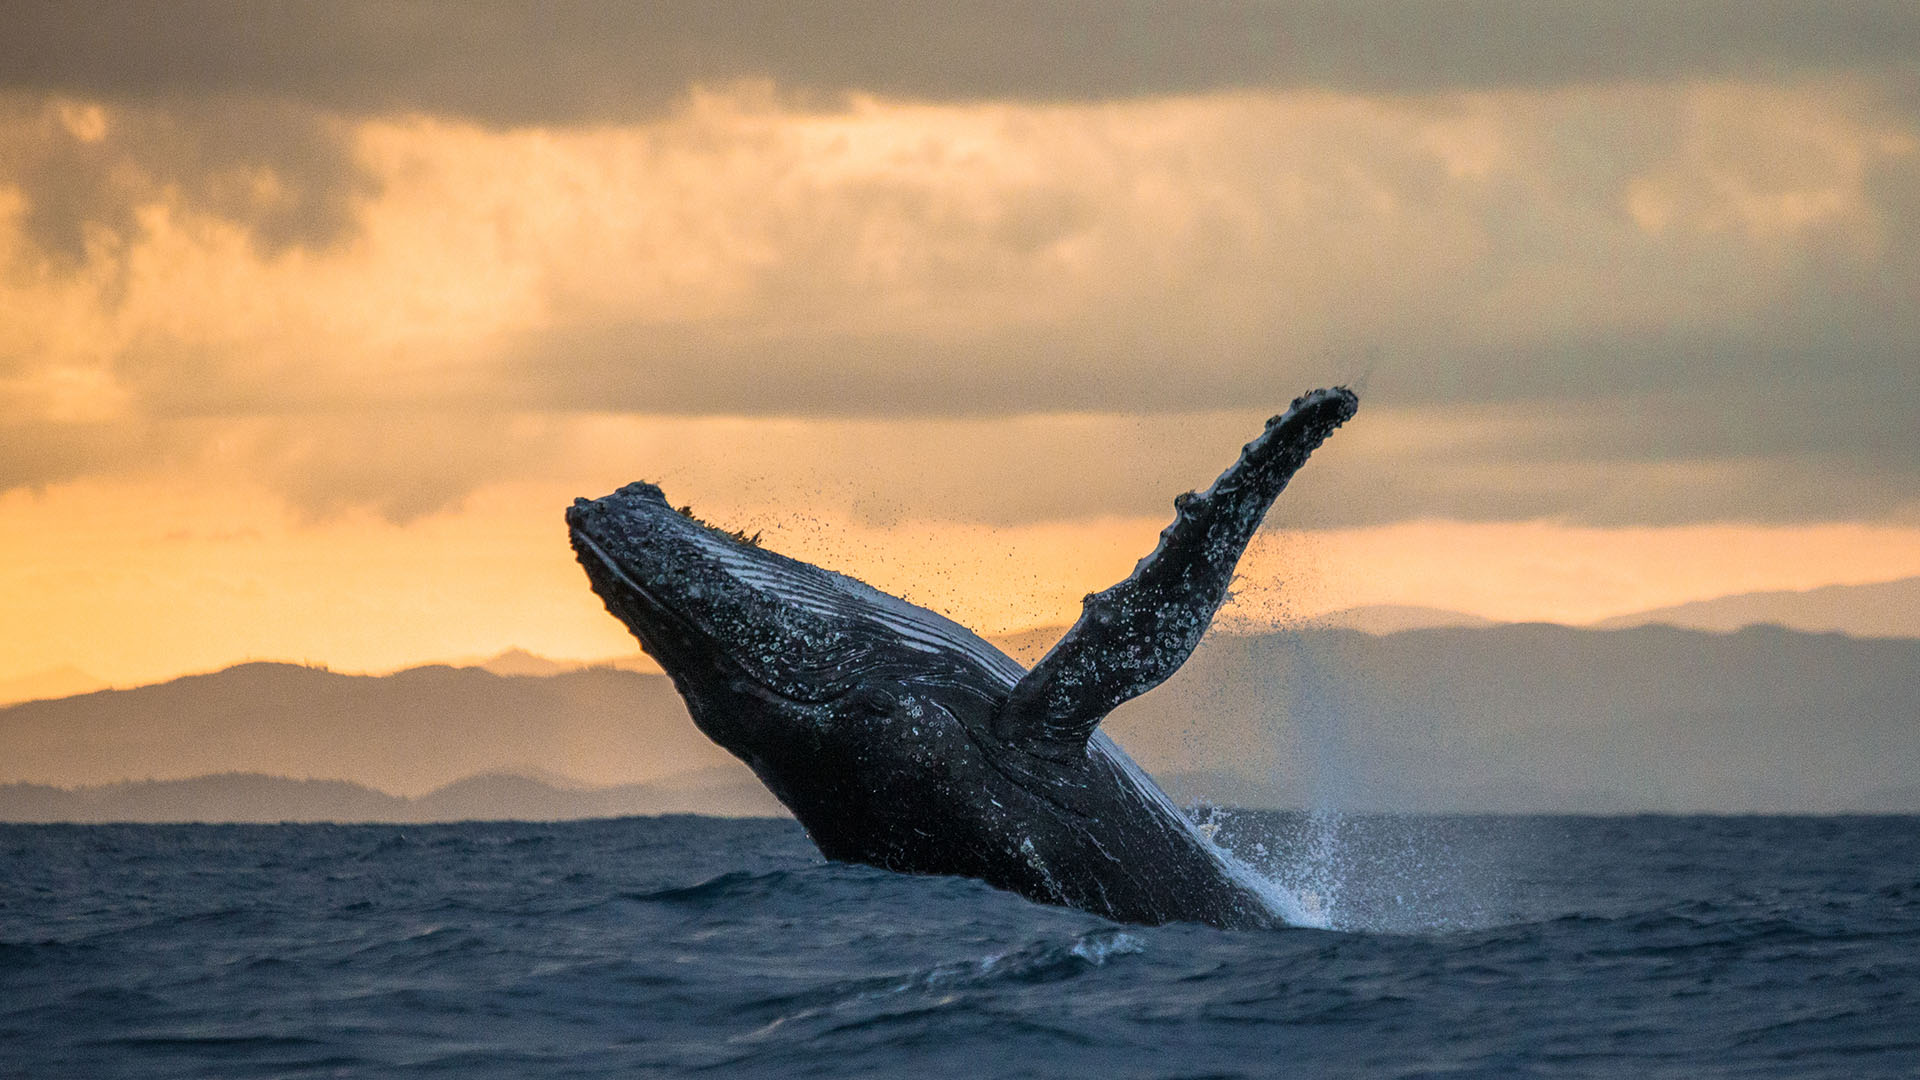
(1887, 609)
(52, 683)
(254, 798)
(1393, 618)
(407, 733)
(1537, 717)
(1508, 718)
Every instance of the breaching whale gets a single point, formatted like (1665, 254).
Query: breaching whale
(901, 739)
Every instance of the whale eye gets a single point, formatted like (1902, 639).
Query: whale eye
(873, 699)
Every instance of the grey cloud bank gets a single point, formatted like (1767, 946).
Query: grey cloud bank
(540, 63)
(211, 153)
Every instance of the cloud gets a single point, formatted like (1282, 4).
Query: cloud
(1487, 463)
(282, 172)
(523, 63)
(1614, 304)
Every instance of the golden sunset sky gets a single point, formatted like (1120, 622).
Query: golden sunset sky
(313, 318)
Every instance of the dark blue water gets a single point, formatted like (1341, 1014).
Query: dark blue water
(1634, 947)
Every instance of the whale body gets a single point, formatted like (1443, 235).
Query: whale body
(900, 739)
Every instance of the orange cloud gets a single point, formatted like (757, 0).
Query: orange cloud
(885, 259)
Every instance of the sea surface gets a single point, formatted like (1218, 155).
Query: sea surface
(1500, 947)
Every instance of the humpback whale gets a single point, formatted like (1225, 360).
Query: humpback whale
(900, 739)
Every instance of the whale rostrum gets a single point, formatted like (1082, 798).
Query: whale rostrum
(901, 739)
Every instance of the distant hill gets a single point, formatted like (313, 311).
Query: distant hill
(1028, 646)
(512, 662)
(1509, 718)
(1394, 618)
(1537, 717)
(1889, 609)
(407, 733)
(53, 683)
(251, 797)
(521, 662)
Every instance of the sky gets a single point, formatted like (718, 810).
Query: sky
(313, 318)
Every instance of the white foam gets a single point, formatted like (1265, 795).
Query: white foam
(1292, 908)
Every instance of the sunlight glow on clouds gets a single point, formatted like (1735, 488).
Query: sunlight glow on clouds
(1735, 243)
(356, 329)
(137, 582)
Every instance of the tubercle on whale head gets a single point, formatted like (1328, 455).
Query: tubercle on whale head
(665, 575)
(674, 579)
(744, 631)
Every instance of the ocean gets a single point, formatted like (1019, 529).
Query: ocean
(1449, 947)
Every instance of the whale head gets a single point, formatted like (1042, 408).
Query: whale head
(766, 649)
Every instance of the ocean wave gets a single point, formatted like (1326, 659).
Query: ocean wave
(679, 947)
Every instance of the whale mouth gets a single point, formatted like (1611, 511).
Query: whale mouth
(711, 614)
(612, 566)
(667, 633)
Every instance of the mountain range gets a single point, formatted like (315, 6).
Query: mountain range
(255, 798)
(1507, 718)
(1887, 609)
(1882, 609)
(58, 682)
(1537, 717)
(407, 733)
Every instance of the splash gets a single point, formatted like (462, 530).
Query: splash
(1331, 868)
(1288, 896)
(1369, 873)
(1319, 872)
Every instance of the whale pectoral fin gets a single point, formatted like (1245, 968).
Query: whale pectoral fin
(1134, 635)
